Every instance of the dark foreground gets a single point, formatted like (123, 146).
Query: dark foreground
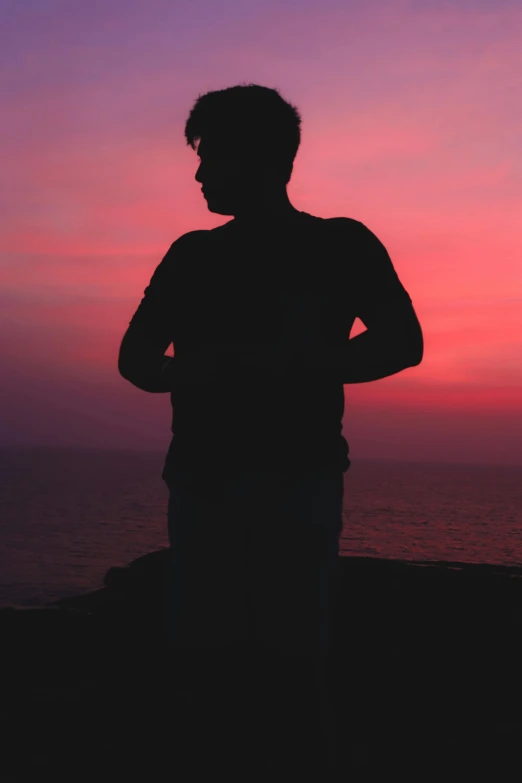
(426, 669)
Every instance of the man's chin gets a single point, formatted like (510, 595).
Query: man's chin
(219, 209)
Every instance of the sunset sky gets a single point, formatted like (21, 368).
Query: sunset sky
(412, 123)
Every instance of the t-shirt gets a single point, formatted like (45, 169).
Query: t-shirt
(231, 285)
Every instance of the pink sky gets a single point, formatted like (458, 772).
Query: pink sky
(411, 124)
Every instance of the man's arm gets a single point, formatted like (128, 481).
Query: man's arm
(142, 360)
(393, 338)
(367, 358)
(149, 334)
(157, 378)
(392, 341)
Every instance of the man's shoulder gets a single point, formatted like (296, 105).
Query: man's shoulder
(346, 223)
(189, 238)
(185, 246)
(197, 238)
(342, 232)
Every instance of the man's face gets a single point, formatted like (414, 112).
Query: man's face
(231, 182)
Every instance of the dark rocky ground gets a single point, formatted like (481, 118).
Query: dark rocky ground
(426, 669)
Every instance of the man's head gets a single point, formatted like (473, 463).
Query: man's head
(248, 139)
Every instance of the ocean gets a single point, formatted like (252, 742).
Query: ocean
(68, 515)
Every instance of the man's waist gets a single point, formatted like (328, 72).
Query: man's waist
(304, 448)
(259, 434)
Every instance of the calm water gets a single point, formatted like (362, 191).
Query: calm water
(68, 516)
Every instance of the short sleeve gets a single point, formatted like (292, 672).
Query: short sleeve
(377, 287)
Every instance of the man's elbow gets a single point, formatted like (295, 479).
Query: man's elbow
(124, 369)
(416, 352)
(129, 370)
(128, 376)
(407, 351)
(131, 362)
(133, 377)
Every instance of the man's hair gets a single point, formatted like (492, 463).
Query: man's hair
(250, 119)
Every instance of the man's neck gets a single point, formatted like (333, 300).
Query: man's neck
(267, 218)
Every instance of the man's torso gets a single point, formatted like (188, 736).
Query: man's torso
(232, 289)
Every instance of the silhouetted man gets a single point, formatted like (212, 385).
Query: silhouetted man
(260, 311)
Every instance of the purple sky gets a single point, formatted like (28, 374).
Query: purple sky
(411, 123)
